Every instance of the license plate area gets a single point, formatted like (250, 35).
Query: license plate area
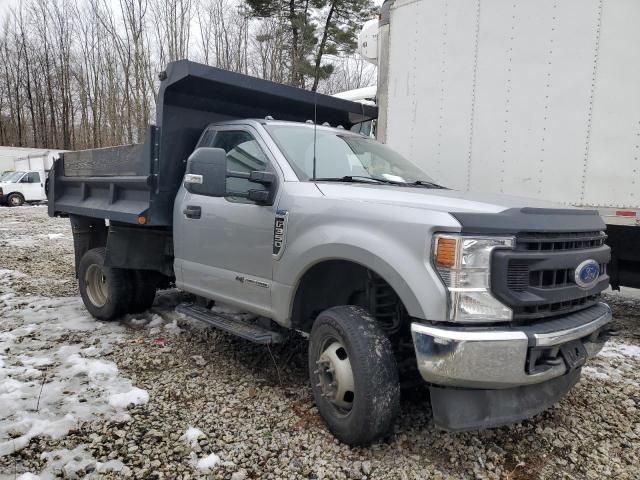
(574, 354)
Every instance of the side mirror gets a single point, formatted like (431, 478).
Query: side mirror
(206, 172)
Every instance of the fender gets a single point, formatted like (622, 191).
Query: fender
(396, 258)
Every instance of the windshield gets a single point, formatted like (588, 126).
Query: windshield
(12, 177)
(340, 155)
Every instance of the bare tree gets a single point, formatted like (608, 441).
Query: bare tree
(80, 74)
(172, 20)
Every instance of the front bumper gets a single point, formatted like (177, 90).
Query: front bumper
(507, 357)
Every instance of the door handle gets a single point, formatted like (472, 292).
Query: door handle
(191, 211)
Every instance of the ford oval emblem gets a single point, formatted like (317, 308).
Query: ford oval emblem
(587, 274)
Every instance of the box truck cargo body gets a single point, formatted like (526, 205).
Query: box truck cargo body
(538, 99)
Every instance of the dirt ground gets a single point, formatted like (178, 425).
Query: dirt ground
(156, 396)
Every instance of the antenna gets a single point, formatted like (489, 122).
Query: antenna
(315, 129)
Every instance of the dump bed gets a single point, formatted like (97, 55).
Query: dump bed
(133, 182)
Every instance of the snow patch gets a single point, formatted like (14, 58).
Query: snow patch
(616, 349)
(28, 476)
(207, 463)
(156, 321)
(110, 466)
(53, 374)
(173, 327)
(135, 396)
(601, 373)
(192, 435)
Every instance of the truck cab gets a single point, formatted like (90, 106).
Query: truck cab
(493, 301)
(20, 187)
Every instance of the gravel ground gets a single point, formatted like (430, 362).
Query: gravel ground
(219, 407)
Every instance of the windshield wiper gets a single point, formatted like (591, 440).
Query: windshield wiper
(424, 183)
(350, 179)
(383, 181)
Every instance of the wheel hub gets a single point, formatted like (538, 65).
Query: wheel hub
(336, 376)
(97, 286)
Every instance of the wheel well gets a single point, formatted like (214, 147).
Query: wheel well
(341, 282)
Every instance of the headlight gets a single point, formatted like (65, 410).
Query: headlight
(464, 264)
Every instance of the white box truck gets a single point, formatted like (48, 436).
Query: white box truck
(538, 99)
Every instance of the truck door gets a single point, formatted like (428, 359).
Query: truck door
(225, 250)
(32, 186)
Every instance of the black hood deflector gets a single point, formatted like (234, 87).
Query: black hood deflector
(518, 220)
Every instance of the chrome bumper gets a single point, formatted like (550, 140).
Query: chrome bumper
(489, 358)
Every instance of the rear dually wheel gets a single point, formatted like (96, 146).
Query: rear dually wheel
(105, 291)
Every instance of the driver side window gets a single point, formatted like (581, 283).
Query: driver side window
(31, 177)
(243, 155)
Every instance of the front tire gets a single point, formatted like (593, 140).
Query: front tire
(15, 200)
(354, 375)
(104, 290)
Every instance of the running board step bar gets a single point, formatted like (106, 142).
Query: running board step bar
(248, 331)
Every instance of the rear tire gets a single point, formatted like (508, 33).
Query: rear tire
(105, 291)
(354, 375)
(15, 200)
(143, 290)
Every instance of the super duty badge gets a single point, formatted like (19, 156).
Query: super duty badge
(280, 232)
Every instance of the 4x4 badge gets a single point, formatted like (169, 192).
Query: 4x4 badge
(280, 233)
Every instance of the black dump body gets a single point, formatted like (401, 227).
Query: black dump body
(125, 183)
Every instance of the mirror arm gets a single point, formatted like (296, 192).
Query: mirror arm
(264, 178)
(244, 175)
(237, 194)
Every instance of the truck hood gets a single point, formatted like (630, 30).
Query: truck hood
(432, 199)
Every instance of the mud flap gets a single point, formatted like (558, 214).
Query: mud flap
(457, 410)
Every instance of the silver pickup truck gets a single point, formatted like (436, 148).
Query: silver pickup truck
(493, 301)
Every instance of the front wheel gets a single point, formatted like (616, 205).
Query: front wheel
(353, 374)
(104, 290)
(15, 200)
